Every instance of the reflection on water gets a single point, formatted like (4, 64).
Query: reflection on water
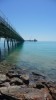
(7, 48)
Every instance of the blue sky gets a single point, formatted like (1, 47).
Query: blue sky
(32, 18)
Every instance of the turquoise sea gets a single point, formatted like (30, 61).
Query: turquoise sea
(33, 56)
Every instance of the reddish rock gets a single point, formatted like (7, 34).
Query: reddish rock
(53, 92)
(52, 88)
(27, 93)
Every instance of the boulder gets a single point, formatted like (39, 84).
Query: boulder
(5, 84)
(2, 78)
(27, 93)
(32, 84)
(37, 85)
(12, 74)
(25, 78)
(40, 86)
(53, 92)
(52, 88)
(11, 71)
(9, 89)
(16, 81)
(37, 74)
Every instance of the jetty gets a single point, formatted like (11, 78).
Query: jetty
(8, 32)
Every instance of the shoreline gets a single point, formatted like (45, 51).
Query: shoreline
(18, 84)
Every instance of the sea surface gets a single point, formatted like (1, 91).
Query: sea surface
(32, 56)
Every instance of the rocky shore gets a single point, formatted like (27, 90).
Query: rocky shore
(18, 84)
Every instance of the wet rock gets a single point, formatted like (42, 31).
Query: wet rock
(16, 81)
(36, 81)
(36, 74)
(25, 78)
(37, 85)
(37, 78)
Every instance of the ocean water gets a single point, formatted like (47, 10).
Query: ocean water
(33, 56)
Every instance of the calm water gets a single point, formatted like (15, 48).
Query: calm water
(33, 56)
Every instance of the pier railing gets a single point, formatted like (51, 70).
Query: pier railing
(4, 20)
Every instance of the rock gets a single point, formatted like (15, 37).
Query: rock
(53, 92)
(7, 97)
(2, 78)
(28, 93)
(11, 71)
(37, 85)
(25, 78)
(51, 84)
(37, 78)
(9, 89)
(36, 81)
(5, 84)
(23, 86)
(36, 74)
(8, 79)
(32, 85)
(40, 86)
(16, 81)
(12, 74)
(52, 88)
(3, 89)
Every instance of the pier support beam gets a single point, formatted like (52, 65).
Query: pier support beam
(8, 44)
(0, 53)
(12, 43)
(4, 43)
